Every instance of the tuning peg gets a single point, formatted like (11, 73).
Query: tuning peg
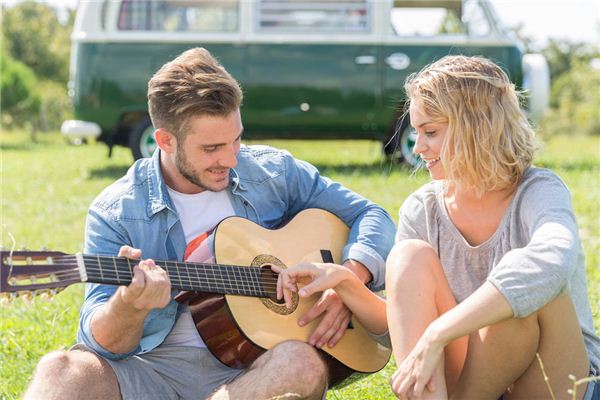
(6, 299)
(25, 296)
(46, 295)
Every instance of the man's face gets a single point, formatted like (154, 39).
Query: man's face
(205, 156)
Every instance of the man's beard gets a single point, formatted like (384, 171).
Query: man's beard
(189, 173)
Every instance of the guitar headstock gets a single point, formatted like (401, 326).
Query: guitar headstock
(31, 273)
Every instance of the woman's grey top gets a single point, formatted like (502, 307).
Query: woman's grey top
(534, 255)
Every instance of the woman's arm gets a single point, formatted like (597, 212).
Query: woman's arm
(369, 308)
(486, 306)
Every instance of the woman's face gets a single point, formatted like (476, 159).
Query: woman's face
(430, 138)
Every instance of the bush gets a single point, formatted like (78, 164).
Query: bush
(19, 99)
(576, 96)
(55, 105)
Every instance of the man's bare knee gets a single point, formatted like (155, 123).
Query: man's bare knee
(64, 374)
(302, 362)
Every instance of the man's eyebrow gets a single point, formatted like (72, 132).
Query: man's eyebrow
(221, 144)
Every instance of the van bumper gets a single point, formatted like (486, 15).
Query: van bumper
(76, 129)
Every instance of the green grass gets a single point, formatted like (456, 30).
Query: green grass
(47, 186)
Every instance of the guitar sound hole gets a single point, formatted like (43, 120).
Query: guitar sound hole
(269, 282)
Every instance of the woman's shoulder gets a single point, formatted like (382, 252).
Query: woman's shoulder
(538, 179)
(421, 199)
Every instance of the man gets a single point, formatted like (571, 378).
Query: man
(135, 342)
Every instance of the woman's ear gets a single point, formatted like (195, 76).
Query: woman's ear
(165, 140)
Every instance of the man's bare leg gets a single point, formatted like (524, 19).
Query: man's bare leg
(291, 370)
(64, 375)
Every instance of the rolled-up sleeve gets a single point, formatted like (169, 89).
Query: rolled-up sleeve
(372, 230)
(103, 236)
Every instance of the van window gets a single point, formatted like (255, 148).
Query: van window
(179, 15)
(434, 18)
(314, 16)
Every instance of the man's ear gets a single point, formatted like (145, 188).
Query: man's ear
(165, 140)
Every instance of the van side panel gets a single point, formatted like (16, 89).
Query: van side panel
(311, 90)
(118, 85)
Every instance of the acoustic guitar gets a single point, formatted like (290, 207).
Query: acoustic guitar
(233, 301)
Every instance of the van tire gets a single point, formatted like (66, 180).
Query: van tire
(141, 139)
(399, 145)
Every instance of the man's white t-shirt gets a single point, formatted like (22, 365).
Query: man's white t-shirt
(199, 214)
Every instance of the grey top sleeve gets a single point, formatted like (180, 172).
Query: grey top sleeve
(530, 276)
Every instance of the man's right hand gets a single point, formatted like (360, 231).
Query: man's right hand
(118, 325)
(150, 287)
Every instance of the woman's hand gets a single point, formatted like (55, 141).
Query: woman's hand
(318, 276)
(415, 373)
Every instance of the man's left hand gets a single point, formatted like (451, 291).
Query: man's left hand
(336, 315)
(336, 318)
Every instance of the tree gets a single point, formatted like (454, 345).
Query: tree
(33, 35)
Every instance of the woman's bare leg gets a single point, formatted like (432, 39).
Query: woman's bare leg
(418, 293)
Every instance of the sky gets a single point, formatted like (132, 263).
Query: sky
(573, 20)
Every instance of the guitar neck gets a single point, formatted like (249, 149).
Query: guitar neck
(212, 278)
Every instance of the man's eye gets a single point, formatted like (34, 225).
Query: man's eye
(210, 149)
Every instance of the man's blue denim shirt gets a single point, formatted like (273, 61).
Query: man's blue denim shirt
(268, 186)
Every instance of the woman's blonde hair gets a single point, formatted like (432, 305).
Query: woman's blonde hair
(489, 142)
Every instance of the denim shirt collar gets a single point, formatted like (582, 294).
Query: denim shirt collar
(158, 194)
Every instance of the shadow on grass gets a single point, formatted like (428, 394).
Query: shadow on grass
(379, 167)
(21, 146)
(356, 169)
(111, 171)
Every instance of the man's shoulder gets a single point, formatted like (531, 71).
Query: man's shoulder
(259, 162)
(262, 153)
(131, 186)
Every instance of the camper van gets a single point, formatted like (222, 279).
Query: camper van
(328, 69)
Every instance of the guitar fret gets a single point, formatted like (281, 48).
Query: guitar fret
(187, 269)
(232, 276)
(130, 267)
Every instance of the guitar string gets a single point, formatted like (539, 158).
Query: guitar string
(75, 277)
(206, 268)
(265, 282)
(247, 284)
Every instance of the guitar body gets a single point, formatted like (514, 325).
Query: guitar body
(238, 329)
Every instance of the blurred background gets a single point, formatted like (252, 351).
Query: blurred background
(36, 45)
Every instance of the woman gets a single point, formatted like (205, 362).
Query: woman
(488, 268)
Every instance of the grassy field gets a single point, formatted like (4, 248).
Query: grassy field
(47, 186)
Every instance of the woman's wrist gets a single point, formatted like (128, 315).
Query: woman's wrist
(436, 334)
(347, 281)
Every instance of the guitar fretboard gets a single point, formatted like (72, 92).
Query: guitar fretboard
(212, 278)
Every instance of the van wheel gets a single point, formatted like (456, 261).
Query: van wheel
(141, 139)
(399, 146)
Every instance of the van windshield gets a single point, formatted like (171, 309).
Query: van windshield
(436, 18)
(179, 15)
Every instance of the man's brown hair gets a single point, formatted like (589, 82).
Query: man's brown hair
(192, 84)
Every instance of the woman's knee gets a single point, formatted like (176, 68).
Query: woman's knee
(410, 258)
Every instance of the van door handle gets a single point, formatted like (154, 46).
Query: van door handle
(398, 61)
(365, 60)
